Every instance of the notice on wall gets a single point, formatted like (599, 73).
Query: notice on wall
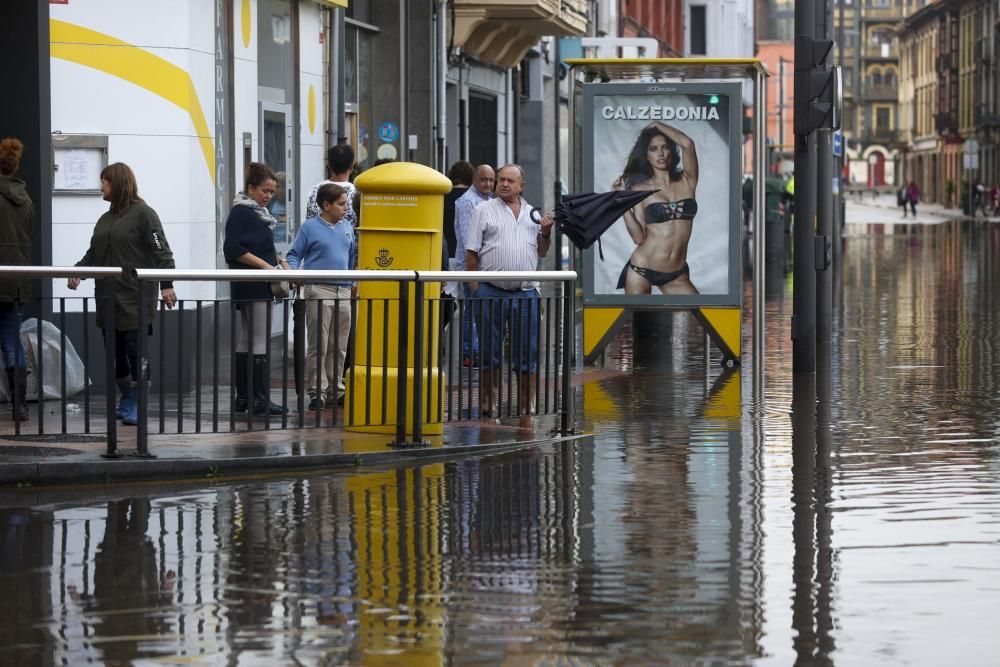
(78, 169)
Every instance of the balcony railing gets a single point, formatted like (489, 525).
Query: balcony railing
(880, 51)
(883, 13)
(501, 31)
(879, 135)
(873, 92)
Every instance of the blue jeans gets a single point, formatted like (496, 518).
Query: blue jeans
(514, 311)
(11, 314)
(470, 341)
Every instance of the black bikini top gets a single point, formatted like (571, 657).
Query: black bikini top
(682, 209)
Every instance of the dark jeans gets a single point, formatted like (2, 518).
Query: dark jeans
(11, 314)
(126, 355)
(470, 337)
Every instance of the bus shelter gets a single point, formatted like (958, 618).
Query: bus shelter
(676, 126)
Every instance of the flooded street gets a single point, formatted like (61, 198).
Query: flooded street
(864, 529)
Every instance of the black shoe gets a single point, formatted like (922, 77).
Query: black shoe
(317, 404)
(19, 410)
(272, 409)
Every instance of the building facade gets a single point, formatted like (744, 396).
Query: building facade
(662, 20)
(189, 93)
(950, 49)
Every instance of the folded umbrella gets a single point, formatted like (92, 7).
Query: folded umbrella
(585, 217)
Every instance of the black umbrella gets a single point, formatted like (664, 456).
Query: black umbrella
(585, 217)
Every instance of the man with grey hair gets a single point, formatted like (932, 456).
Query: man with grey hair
(480, 192)
(503, 237)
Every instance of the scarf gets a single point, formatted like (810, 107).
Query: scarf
(262, 213)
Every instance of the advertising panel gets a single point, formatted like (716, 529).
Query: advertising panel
(680, 246)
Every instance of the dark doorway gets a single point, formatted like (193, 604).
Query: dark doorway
(482, 129)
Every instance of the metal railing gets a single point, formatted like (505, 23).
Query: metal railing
(192, 390)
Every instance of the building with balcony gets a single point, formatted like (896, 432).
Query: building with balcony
(662, 20)
(917, 41)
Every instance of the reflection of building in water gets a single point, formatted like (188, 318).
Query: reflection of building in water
(514, 550)
(25, 562)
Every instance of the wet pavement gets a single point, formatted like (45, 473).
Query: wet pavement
(851, 521)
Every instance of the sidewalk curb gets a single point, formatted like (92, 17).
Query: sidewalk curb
(146, 470)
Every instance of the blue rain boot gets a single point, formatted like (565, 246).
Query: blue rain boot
(125, 387)
(130, 406)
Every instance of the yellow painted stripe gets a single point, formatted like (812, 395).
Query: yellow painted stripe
(724, 401)
(724, 326)
(128, 62)
(334, 3)
(597, 325)
(613, 64)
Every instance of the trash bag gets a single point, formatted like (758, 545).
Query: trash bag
(76, 376)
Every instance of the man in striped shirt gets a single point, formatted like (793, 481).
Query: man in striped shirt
(502, 237)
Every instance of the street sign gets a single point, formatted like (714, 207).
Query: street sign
(970, 146)
(838, 143)
(970, 161)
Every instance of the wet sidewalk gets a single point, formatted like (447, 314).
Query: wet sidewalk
(72, 447)
(884, 210)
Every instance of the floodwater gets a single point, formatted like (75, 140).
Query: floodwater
(850, 521)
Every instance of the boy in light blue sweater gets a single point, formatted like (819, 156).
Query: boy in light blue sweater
(326, 242)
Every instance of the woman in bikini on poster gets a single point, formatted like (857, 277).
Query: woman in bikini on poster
(661, 224)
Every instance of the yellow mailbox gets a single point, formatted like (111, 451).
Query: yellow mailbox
(402, 204)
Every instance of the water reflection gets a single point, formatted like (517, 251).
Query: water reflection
(514, 559)
(839, 521)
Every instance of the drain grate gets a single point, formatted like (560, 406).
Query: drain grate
(34, 452)
(56, 438)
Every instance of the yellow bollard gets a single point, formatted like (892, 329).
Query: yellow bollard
(402, 204)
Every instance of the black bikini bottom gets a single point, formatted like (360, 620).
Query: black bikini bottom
(657, 278)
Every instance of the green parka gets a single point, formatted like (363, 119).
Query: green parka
(132, 239)
(17, 224)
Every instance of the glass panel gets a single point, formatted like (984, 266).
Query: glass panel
(351, 65)
(275, 145)
(364, 153)
(275, 76)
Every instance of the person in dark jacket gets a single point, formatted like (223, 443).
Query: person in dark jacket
(17, 223)
(129, 235)
(249, 244)
(461, 175)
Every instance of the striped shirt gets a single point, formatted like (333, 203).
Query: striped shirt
(464, 208)
(504, 243)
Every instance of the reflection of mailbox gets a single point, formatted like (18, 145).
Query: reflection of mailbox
(402, 206)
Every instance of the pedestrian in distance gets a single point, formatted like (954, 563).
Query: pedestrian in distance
(979, 200)
(913, 196)
(480, 193)
(902, 199)
(129, 235)
(503, 237)
(249, 244)
(326, 242)
(17, 225)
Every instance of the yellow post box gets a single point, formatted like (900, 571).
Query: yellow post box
(402, 205)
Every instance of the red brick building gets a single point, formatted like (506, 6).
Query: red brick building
(662, 20)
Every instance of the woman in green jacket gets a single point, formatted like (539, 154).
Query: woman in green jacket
(129, 235)
(17, 222)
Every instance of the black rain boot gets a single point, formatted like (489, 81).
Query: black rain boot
(241, 382)
(261, 390)
(19, 412)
